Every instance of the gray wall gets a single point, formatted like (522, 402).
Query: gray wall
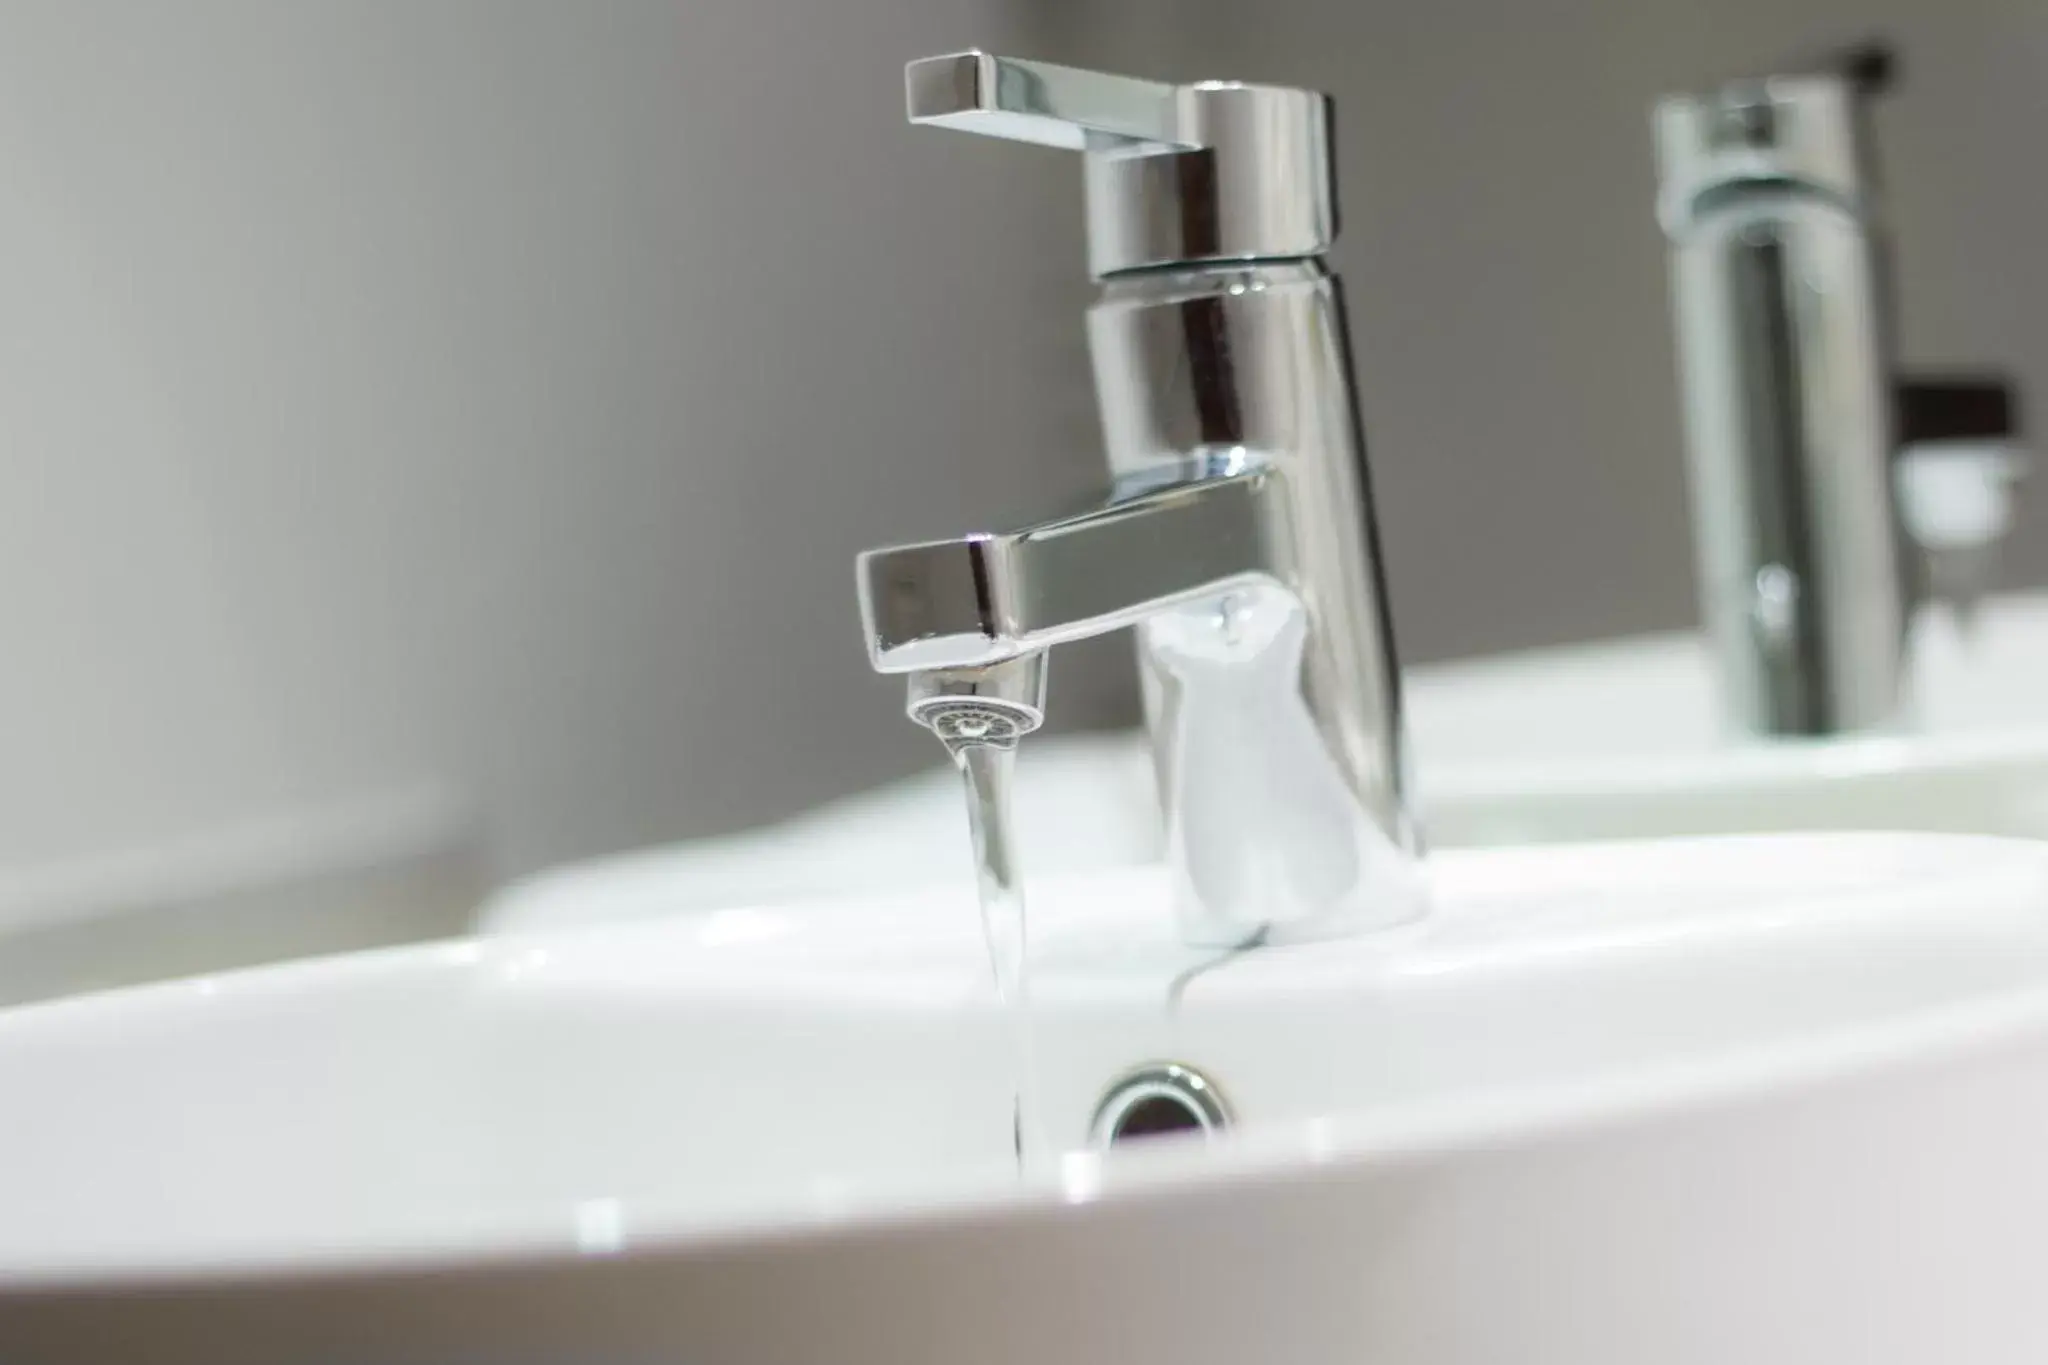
(494, 392)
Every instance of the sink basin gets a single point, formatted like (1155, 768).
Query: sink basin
(1617, 739)
(1768, 1099)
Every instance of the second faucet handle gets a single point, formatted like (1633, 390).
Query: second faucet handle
(1961, 457)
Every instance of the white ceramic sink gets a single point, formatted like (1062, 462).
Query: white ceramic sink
(1617, 739)
(1746, 1100)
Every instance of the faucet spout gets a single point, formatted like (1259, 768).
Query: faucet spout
(981, 599)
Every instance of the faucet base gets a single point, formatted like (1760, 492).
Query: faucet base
(1266, 837)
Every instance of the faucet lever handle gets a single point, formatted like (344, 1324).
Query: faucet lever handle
(1054, 106)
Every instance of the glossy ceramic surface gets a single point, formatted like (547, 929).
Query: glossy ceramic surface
(1766, 1100)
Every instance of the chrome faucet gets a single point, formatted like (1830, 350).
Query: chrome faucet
(1237, 535)
(1794, 411)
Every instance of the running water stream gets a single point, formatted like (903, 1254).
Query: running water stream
(981, 735)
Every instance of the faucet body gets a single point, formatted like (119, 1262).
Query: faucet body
(1782, 304)
(1237, 533)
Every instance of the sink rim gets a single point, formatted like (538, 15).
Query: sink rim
(1340, 1145)
(1275, 1154)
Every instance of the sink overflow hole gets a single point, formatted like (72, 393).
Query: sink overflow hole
(1159, 1101)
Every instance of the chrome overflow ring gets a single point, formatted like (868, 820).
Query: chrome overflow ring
(1162, 1099)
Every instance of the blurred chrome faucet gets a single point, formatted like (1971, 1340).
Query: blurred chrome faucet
(1237, 535)
(1794, 411)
